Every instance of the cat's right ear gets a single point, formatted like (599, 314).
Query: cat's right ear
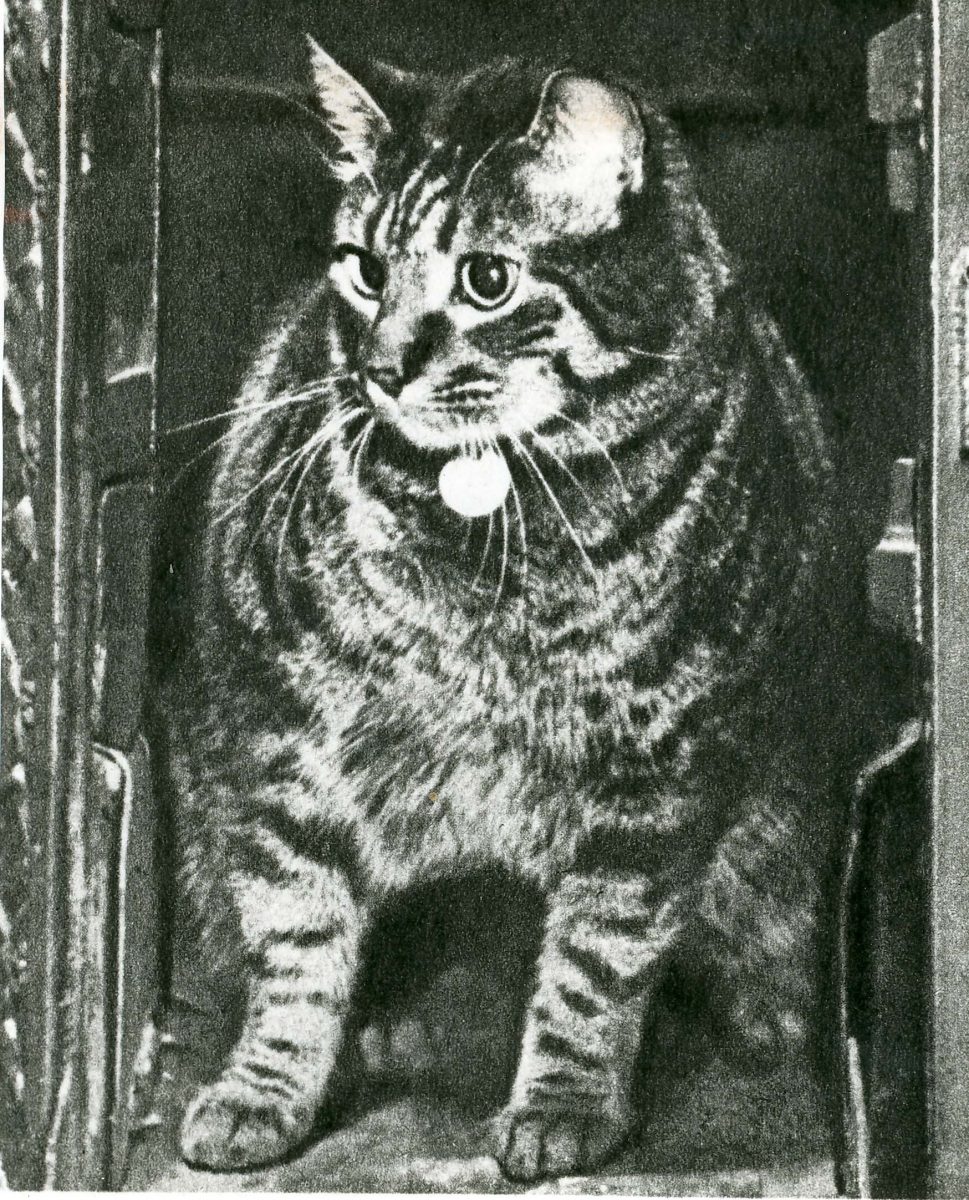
(356, 121)
(588, 142)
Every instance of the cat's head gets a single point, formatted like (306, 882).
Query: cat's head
(494, 250)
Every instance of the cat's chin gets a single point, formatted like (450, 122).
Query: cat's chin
(449, 440)
(395, 467)
(423, 453)
(396, 460)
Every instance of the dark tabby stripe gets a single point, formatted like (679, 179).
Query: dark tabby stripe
(586, 1004)
(563, 1048)
(608, 687)
(625, 377)
(279, 1045)
(255, 857)
(596, 967)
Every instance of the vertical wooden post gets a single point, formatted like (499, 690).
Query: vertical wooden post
(946, 586)
(27, 137)
(61, 747)
(90, 927)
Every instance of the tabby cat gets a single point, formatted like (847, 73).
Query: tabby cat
(515, 555)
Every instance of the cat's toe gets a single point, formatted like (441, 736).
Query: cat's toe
(231, 1127)
(534, 1141)
(763, 1038)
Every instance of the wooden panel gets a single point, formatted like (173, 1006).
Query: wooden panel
(891, 968)
(90, 370)
(27, 83)
(946, 583)
(52, 1021)
(126, 133)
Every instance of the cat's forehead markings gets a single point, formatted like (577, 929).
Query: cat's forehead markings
(409, 194)
(394, 203)
(380, 235)
(430, 179)
(426, 237)
(356, 219)
(369, 210)
(433, 190)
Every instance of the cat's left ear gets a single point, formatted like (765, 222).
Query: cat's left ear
(590, 145)
(356, 121)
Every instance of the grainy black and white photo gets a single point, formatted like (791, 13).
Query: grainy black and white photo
(485, 560)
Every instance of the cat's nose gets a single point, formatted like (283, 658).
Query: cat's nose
(387, 379)
(401, 354)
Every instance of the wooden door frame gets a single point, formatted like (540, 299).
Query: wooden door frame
(77, 1052)
(90, 801)
(944, 546)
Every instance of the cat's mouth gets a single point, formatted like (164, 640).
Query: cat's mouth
(421, 464)
(455, 446)
(448, 478)
(447, 420)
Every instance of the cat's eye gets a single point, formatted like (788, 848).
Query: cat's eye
(488, 280)
(365, 270)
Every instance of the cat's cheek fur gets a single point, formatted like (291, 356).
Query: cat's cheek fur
(588, 359)
(352, 317)
(530, 397)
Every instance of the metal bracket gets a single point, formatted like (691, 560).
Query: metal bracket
(959, 277)
(893, 565)
(896, 91)
(135, 16)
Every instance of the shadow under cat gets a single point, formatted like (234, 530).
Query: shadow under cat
(442, 996)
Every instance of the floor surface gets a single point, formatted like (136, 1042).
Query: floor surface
(437, 1064)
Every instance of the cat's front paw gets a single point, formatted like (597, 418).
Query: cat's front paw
(762, 1037)
(230, 1126)
(553, 1137)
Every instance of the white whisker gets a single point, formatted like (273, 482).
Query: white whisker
(662, 357)
(557, 458)
(484, 552)
(316, 445)
(237, 411)
(504, 563)
(321, 386)
(305, 396)
(361, 447)
(598, 445)
(320, 435)
(558, 507)
(521, 525)
(467, 539)
(352, 447)
(291, 506)
(195, 459)
(277, 495)
(270, 474)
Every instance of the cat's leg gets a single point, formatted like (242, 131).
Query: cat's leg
(302, 922)
(605, 939)
(758, 927)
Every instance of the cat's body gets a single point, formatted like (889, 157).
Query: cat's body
(616, 689)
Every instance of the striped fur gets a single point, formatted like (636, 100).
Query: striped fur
(615, 688)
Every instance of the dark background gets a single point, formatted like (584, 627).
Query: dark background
(772, 100)
(771, 97)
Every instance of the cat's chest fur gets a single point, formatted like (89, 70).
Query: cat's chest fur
(464, 740)
(419, 802)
